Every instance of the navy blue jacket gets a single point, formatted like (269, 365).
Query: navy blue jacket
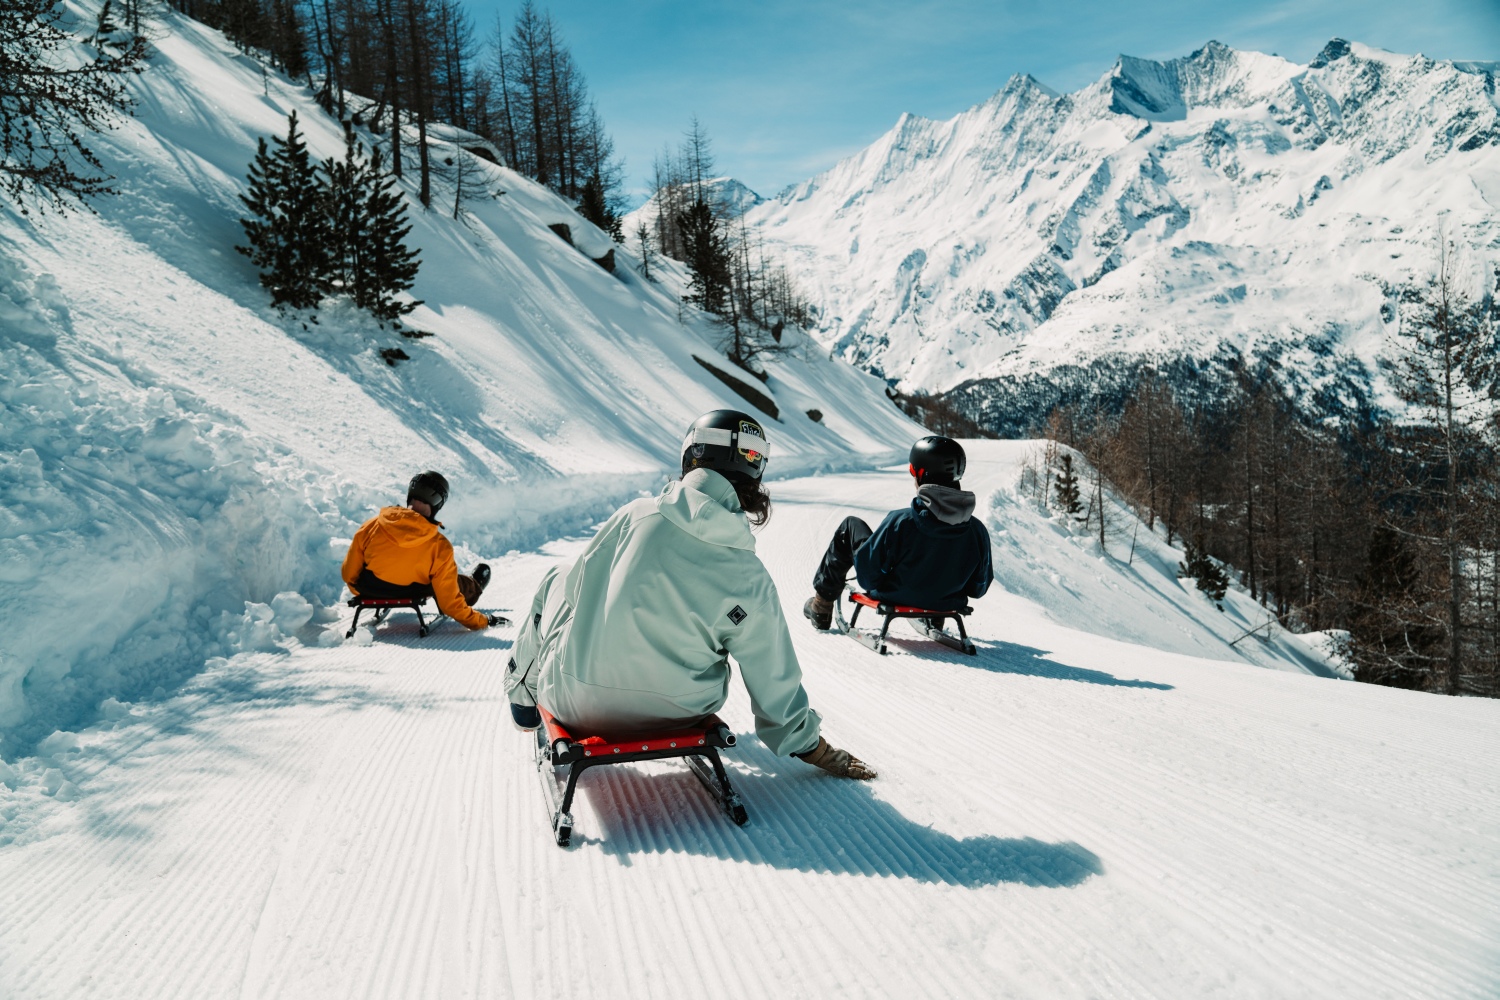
(917, 560)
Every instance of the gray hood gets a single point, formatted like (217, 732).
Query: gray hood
(947, 504)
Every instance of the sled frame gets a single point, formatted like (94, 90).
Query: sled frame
(383, 606)
(927, 621)
(556, 748)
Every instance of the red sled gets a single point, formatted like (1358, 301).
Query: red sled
(927, 621)
(557, 748)
(383, 606)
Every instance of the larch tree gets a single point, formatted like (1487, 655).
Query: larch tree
(56, 90)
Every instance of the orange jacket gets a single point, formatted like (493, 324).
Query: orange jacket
(402, 547)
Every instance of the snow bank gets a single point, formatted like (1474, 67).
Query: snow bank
(1128, 588)
(128, 517)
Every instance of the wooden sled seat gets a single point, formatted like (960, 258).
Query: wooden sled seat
(557, 747)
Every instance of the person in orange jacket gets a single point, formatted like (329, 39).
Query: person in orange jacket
(400, 553)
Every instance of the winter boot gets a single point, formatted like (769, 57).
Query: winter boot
(819, 611)
(839, 763)
(525, 717)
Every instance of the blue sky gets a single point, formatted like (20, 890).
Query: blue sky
(788, 87)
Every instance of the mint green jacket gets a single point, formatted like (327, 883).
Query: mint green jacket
(637, 634)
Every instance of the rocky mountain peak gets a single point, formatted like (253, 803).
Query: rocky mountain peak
(1196, 212)
(1336, 49)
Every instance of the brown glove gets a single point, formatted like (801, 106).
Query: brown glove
(839, 763)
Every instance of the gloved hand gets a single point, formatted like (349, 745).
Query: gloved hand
(497, 620)
(839, 763)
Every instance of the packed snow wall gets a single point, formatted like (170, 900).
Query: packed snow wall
(131, 522)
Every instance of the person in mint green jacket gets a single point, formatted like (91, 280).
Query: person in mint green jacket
(637, 634)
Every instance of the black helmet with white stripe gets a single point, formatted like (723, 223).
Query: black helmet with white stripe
(729, 442)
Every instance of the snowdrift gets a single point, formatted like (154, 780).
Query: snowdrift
(173, 448)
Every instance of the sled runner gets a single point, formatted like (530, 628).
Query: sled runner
(383, 606)
(927, 621)
(557, 748)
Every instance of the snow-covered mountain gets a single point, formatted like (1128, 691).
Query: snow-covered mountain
(1185, 214)
(731, 196)
(171, 447)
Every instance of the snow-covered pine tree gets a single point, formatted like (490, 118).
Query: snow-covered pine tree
(1066, 488)
(288, 228)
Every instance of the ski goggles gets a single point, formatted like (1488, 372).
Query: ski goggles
(749, 442)
(430, 495)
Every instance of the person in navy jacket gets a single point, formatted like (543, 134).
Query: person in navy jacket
(934, 554)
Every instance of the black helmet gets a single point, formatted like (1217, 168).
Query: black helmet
(727, 441)
(430, 488)
(937, 459)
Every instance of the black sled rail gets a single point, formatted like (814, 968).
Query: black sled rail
(383, 606)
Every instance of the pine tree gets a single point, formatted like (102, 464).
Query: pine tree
(1067, 488)
(1443, 371)
(645, 246)
(593, 206)
(707, 256)
(288, 231)
(345, 192)
(1209, 575)
(387, 266)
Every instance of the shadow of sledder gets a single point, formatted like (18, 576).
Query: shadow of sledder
(1000, 657)
(447, 634)
(807, 821)
(1011, 658)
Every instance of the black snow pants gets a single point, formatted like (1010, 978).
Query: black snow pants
(839, 559)
(370, 585)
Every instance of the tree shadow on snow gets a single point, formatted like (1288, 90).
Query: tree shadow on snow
(806, 821)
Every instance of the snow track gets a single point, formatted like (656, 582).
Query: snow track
(1063, 815)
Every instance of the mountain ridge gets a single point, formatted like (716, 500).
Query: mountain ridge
(1226, 207)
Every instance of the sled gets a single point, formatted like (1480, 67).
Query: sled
(927, 621)
(383, 606)
(557, 748)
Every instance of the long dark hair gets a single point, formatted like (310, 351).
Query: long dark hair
(753, 498)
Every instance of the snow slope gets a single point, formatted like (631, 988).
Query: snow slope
(1183, 214)
(171, 448)
(1064, 815)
